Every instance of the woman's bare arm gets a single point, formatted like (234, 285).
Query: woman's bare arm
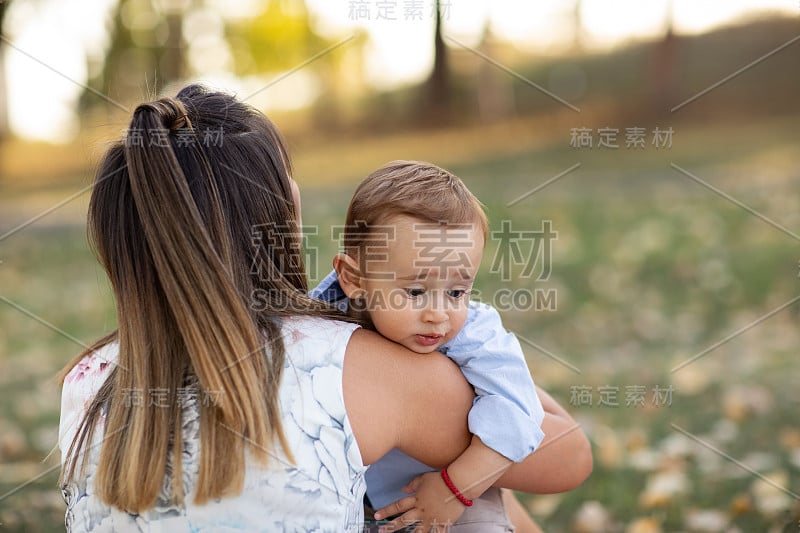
(561, 463)
(399, 399)
(419, 403)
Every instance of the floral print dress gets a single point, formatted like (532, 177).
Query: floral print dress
(322, 491)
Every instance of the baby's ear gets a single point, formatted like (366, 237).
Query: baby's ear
(349, 274)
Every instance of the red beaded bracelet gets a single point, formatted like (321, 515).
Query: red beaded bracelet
(457, 493)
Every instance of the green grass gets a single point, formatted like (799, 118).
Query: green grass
(649, 267)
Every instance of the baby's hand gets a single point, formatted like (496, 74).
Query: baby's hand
(432, 506)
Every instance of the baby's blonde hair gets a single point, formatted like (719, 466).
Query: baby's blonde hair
(416, 189)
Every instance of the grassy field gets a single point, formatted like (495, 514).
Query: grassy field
(672, 337)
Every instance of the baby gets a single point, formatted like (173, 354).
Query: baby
(413, 242)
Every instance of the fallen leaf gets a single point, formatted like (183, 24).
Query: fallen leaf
(592, 517)
(706, 520)
(644, 525)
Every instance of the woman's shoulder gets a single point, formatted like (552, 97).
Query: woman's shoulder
(316, 329)
(94, 367)
(81, 385)
(316, 341)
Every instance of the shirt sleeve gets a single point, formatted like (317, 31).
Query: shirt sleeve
(329, 290)
(506, 413)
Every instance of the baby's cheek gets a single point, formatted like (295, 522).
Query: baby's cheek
(460, 319)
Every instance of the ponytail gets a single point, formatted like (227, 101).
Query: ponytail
(161, 230)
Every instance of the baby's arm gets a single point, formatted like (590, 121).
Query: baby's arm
(433, 503)
(507, 413)
(505, 419)
(561, 463)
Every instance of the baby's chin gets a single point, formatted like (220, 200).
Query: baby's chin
(418, 348)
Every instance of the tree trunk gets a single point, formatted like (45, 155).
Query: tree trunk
(495, 92)
(662, 67)
(171, 65)
(438, 85)
(4, 127)
(577, 27)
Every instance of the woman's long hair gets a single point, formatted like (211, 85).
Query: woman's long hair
(192, 218)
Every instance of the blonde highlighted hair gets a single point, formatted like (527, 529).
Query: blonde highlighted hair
(171, 219)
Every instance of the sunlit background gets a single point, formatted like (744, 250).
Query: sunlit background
(73, 35)
(658, 139)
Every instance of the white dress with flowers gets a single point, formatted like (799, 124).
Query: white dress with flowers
(322, 491)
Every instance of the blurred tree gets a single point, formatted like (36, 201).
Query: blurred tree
(277, 39)
(282, 37)
(145, 51)
(438, 83)
(494, 88)
(577, 26)
(662, 66)
(3, 87)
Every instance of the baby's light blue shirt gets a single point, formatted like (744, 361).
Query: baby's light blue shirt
(506, 413)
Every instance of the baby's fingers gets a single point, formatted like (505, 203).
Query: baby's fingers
(400, 506)
(401, 522)
(413, 485)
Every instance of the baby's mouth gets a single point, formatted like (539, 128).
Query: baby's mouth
(429, 340)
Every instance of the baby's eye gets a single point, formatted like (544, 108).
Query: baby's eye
(456, 294)
(415, 292)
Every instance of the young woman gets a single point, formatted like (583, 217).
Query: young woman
(228, 399)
